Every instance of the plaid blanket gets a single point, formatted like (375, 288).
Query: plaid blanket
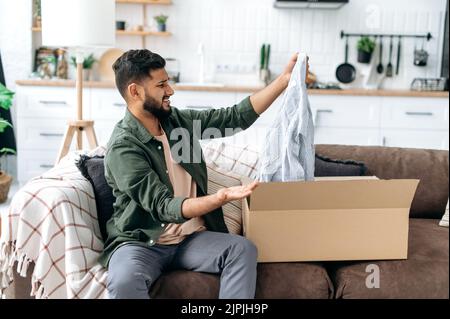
(52, 222)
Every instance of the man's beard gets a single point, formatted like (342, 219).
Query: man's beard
(157, 109)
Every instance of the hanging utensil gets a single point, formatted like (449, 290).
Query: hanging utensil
(346, 73)
(390, 67)
(399, 49)
(421, 56)
(267, 57)
(380, 67)
(262, 60)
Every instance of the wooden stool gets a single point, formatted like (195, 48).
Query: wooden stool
(78, 127)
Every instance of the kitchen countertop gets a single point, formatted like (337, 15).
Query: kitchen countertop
(238, 88)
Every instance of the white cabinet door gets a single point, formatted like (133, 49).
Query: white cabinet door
(202, 100)
(345, 111)
(103, 130)
(44, 134)
(50, 102)
(415, 113)
(33, 163)
(107, 104)
(343, 136)
(416, 139)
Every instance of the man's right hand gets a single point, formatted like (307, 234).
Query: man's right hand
(237, 192)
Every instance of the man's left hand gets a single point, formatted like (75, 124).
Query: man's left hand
(290, 67)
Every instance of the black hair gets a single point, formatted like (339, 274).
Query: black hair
(135, 65)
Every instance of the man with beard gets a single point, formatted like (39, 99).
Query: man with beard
(163, 218)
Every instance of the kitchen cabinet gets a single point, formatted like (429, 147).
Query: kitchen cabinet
(415, 139)
(43, 111)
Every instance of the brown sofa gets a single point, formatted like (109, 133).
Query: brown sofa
(425, 274)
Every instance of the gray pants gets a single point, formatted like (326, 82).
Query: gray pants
(133, 268)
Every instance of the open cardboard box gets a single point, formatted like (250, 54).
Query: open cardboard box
(330, 219)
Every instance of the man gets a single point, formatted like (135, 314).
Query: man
(163, 218)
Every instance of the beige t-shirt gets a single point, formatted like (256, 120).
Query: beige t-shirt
(183, 186)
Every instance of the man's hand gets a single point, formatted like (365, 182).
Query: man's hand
(290, 67)
(234, 193)
(263, 99)
(195, 207)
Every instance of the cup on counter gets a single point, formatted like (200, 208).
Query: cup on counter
(120, 25)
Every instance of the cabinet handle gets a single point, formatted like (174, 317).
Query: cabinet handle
(384, 141)
(51, 134)
(53, 102)
(420, 113)
(324, 111)
(46, 166)
(119, 105)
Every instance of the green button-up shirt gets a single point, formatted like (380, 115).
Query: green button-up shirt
(136, 170)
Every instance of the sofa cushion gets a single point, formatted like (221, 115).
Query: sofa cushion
(325, 166)
(232, 211)
(423, 275)
(429, 166)
(93, 169)
(244, 160)
(294, 280)
(274, 281)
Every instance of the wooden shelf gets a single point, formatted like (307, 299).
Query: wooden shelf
(158, 2)
(144, 33)
(126, 32)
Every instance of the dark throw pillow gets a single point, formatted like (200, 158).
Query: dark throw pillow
(327, 167)
(93, 169)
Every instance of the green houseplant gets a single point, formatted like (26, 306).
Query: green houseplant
(6, 97)
(161, 22)
(88, 63)
(366, 46)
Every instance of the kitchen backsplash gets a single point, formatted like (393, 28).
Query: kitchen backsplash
(232, 32)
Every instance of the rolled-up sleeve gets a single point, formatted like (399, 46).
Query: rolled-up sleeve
(133, 175)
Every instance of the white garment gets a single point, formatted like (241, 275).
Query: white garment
(288, 154)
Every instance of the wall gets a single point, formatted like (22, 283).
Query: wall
(233, 31)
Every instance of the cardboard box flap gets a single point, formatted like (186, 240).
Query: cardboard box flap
(348, 194)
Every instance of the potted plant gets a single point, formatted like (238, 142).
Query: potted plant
(37, 13)
(365, 49)
(6, 97)
(161, 22)
(88, 63)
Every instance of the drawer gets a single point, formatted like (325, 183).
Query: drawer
(358, 112)
(103, 130)
(43, 102)
(341, 136)
(415, 113)
(34, 163)
(40, 135)
(107, 104)
(202, 100)
(416, 139)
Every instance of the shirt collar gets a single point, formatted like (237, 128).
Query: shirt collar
(136, 127)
